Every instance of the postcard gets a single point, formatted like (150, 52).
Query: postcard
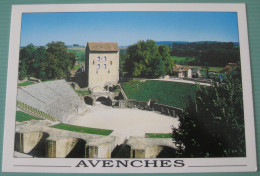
(129, 88)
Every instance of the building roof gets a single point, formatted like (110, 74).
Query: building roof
(180, 68)
(102, 46)
(229, 67)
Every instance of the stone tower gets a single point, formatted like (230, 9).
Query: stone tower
(102, 64)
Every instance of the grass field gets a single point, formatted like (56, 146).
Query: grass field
(82, 129)
(21, 117)
(158, 135)
(27, 83)
(168, 93)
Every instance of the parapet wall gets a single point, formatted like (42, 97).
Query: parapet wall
(30, 138)
(148, 147)
(151, 106)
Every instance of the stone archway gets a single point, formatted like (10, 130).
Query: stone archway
(89, 100)
(104, 100)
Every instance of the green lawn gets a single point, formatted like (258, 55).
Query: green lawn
(158, 135)
(82, 92)
(168, 93)
(83, 129)
(21, 117)
(27, 83)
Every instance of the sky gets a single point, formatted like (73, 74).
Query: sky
(127, 28)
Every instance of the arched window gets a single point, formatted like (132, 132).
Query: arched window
(98, 58)
(98, 66)
(105, 66)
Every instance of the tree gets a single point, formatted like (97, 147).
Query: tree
(27, 56)
(51, 63)
(213, 124)
(146, 59)
(164, 51)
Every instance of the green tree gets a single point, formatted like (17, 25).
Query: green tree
(146, 59)
(26, 60)
(164, 51)
(213, 124)
(60, 61)
(51, 63)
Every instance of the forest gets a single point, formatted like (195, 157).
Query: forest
(213, 54)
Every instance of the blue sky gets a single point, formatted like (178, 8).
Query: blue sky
(128, 27)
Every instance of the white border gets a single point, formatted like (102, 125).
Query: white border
(247, 163)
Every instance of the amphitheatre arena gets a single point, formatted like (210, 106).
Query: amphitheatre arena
(70, 127)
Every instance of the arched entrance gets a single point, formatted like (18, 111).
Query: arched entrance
(104, 100)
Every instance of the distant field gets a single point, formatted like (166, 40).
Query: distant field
(211, 69)
(82, 129)
(79, 51)
(158, 135)
(182, 59)
(77, 48)
(21, 117)
(168, 93)
(27, 83)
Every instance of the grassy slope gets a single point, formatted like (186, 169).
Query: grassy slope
(21, 117)
(82, 129)
(27, 83)
(168, 93)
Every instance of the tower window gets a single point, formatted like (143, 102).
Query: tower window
(98, 66)
(110, 62)
(98, 58)
(105, 66)
(105, 58)
(93, 62)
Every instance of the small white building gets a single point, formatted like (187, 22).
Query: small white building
(182, 71)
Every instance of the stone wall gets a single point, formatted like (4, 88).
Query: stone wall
(25, 142)
(164, 109)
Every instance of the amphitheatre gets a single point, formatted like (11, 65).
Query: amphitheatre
(53, 120)
(55, 102)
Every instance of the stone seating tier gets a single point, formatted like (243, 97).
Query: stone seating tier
(55, 98)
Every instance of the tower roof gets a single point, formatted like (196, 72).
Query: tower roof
(102, 46)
